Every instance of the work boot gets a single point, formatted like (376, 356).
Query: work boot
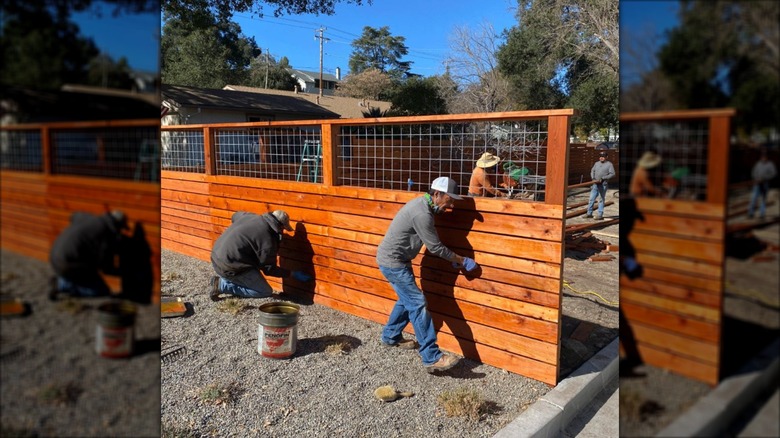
(445, 362)
(588, 215)
(599, 218)
(53, 290)
(406, 344)
(214, 291)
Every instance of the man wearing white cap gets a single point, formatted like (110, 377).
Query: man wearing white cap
(413, 227)
(479, 184)
(247, 247)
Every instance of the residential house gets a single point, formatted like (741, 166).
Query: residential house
(345, 107)
(190, 105)
(309, 81)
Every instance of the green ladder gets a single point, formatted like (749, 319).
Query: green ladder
(311, 156)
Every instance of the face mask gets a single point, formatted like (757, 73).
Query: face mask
(436, 209)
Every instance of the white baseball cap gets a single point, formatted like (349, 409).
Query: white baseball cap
(446, 185)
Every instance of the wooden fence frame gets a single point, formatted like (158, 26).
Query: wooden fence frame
(509, 317)
(37, 204)
(674, 313)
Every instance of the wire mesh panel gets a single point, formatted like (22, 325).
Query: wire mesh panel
(182, 151)
(283, 153)
(123, 153)
(21, 150)
(411, 156)
(683, 149)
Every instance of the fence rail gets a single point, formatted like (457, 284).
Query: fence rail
(50, 170)
(342, 202)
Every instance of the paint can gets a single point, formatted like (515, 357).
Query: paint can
(115, 329)
(277, 333)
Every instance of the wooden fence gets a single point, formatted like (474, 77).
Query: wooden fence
(509, 316)
(38, 196)
(674, 312)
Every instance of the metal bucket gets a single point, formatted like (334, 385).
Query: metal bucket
(277, 333)
(115, 329)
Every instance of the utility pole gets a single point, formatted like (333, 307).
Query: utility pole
(322, 39)
(267, 61)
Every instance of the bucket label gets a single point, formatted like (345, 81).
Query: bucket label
(276, 342)
(114, 342)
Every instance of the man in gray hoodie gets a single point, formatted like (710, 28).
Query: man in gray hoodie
(763, 172)
(600, 173)
(247, 247)
(413, 227)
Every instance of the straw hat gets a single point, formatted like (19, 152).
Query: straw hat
(649, 160)
(487, 160)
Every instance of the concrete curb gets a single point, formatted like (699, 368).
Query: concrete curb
(713, 413)
(549, 415)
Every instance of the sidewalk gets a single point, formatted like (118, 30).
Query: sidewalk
(735, 396)
(550, 415)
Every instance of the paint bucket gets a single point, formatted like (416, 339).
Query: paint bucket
(115, 329)
(277, 333)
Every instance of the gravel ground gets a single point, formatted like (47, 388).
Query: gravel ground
(52, 381)
(320, 390)
(217, 384)
(654, 398)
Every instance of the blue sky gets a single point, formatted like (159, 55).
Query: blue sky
(648, 21)
(134, 36)
(425, 25)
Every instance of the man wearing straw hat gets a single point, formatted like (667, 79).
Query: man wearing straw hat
(600, 174)
(479, 184)
(245, 251)
(642, 181)
(411, 228)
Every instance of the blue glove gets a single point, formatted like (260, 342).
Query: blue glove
(301, 276)
(469, 264)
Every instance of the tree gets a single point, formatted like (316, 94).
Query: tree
(265, 72)
(561, 52)
(224, 9)
(474, 67)
(378, 49)
(202, 50)
(41, 49)
(371, 84)
(716, 58)
(103, 71)
(417, 97)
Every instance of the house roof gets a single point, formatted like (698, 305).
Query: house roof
(346, 107)
(75, 103)
(310, 76)
(225, 99)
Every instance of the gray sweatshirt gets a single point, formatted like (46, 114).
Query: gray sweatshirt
(602, 171)
(764, 170)
(412, 227)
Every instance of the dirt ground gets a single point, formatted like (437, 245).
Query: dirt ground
(591, 288)
(652, 398)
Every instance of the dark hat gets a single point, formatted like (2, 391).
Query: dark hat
(283, 219)
(120, 219)
(602, 154)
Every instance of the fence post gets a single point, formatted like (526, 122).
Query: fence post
(209, 151)
(556, 179)
(718, 159)
(330, 154)
(46, 150)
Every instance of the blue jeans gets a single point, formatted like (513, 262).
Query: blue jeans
(249, 284)
(86, 285)
(760, 191)
(410, 307)
(597, 189)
